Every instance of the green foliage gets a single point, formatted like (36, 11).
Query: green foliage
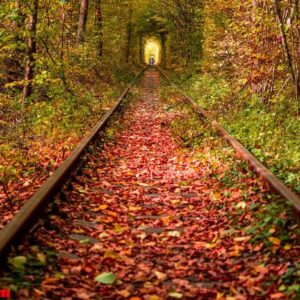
(271, 133)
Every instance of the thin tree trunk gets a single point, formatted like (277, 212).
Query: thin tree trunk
(62, 37)
(284, 40)
(129, 36)
(129, 33)
(62, 49)
(98, 23)
(141, 49)
(163, 48)
(31, 50)
(298, 56)
(82, 21)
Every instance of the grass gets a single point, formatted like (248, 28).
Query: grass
(271, 132)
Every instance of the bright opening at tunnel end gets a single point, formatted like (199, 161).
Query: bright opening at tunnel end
(152, 49)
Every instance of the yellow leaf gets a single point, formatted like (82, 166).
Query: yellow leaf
(103, 207)
(272, 230)
(275, 241)
(134, 208)
(287, 247)
(148, 285)
(241, 205)
(103, 235)
(144, 184)
(216, 196)
(113, 255)
(175, 295)
(174, 233)
(142, 235)
(124, 293)
(160, 275)
(112, 213)
(175, 201)
(78, 231)
(241, 238)
(202, 245)
(41, 257)
(154, 297)
(118, 228)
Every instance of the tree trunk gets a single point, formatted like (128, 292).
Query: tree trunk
(284, 40)
(129, 33)
(163, 48)
(141, 60)
(82, 21)
(99, 31)
(293, 70)
(297, 73)
(129, 36)
(31, 50)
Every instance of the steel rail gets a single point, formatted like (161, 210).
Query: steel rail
(269, 179)
(34, 207)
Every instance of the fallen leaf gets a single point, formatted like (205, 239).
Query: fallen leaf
(277, 296)
(112, 254)
(106, 278)
(103, 207)
(134, 208)
(174, 233)
(124, 293)
(175, 295)
(153, 297)
(160, 276)
(41, 257)
(18, 261)
(275, 241)
(241, 205)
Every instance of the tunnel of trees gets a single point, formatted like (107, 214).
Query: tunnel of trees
(46, 38)
(65, 60)
(218, 232)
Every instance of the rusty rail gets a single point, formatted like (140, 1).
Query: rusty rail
(33, 208)
(269, 179)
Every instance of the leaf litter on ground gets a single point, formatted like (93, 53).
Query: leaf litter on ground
(173, 216)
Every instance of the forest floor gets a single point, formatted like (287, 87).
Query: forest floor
(152, 217)
(31, 150)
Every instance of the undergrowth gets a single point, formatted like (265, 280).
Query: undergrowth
(270, 131)
(36, 136)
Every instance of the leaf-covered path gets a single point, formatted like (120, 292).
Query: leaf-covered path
(148, 219)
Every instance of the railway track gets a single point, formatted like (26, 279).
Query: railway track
(269, 179)
(34, 207)
(150, 218)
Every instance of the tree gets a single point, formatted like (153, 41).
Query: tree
(31, 50)
(99, 28)
(82, 21)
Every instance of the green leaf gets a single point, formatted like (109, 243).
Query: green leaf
(294, 288)
(18, 261)
(106, 278)
(85, 241)
(282, 288)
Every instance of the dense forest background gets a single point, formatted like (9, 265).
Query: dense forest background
(63, 63)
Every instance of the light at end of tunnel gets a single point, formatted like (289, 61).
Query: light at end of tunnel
(152, 51)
